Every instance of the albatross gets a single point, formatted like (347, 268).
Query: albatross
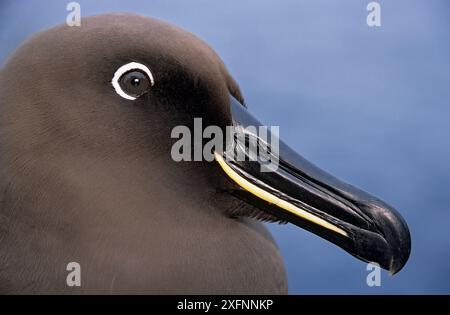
(86, 173)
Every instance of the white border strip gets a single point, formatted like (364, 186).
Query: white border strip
(124, 69)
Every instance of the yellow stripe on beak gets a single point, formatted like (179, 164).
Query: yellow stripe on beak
(267, 196)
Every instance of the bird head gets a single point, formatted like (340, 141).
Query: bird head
(119, 85)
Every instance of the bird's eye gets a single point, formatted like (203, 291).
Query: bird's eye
(134, 83)
(132, 80)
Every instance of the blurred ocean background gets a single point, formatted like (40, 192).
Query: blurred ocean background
(369, 105)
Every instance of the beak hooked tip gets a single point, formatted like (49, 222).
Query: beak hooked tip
(301, 193)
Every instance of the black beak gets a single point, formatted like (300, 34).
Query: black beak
(279, 181)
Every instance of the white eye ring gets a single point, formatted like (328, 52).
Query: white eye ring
(124, 69)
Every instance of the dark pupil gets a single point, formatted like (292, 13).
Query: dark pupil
(135, 83)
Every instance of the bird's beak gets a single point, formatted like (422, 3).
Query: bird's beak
(279, 181)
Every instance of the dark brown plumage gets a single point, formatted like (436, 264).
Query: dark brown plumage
(86, 176)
